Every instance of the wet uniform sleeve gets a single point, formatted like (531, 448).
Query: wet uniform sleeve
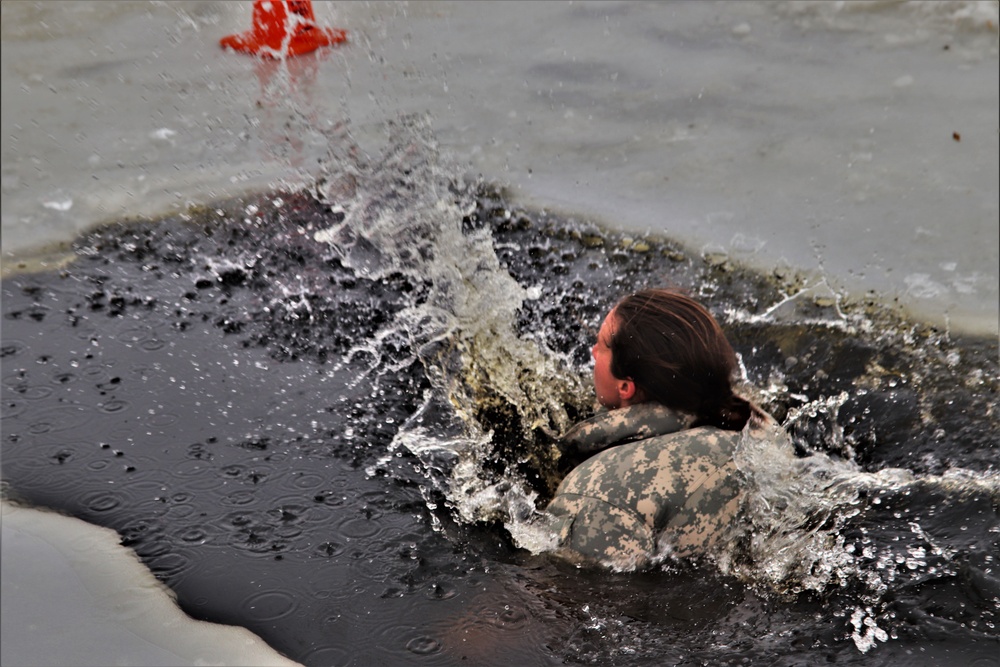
(596, 529)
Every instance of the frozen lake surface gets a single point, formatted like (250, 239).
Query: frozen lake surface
(73, 595)
(856, 142)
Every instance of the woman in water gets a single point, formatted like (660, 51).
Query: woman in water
(661, 476)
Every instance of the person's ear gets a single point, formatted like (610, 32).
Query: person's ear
(627, 391)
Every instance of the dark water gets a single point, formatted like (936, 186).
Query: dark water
(240, 401)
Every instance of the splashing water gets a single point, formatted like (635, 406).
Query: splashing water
(498, 396)
(793, 534)
(407, 211)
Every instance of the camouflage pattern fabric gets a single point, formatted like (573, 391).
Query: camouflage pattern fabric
(616, 427)
(666, 487)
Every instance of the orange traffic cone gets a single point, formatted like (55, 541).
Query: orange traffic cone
(283, 28)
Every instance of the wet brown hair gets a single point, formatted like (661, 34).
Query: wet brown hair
(677, 355)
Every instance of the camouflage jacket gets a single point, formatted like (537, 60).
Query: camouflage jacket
(657, 484)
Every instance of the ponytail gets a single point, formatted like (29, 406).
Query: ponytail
(731, 414)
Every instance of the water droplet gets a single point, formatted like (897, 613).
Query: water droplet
(423, 645)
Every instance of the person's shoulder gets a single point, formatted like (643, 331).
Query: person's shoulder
(700, 441)
(622, 425)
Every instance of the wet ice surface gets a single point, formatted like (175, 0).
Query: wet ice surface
(74, 586)
(857, 140)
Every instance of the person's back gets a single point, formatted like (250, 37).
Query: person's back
(662, 475)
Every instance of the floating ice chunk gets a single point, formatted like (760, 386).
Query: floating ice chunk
(921, 286)
(163, 134)
(747, 243)
(966, 284)
(61, 205)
